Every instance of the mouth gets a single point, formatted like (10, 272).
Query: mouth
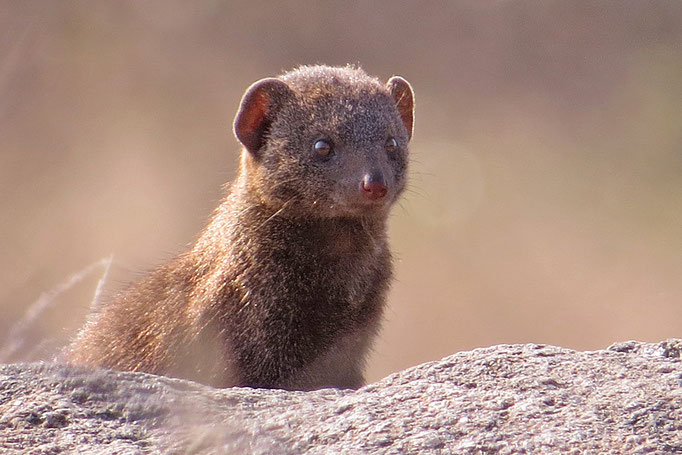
(364, 206)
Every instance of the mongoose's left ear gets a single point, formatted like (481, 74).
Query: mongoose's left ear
(259, 105)
(402, 93)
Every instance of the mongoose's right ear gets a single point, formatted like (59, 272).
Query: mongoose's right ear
(259, 105)
(402, 93)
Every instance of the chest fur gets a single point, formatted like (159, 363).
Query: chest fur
(306, 297)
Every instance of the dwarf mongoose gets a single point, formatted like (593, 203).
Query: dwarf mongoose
(286, 285)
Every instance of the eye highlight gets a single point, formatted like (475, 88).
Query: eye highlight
(391, 145)
(323, 148)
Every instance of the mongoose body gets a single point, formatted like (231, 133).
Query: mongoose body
(286, 285)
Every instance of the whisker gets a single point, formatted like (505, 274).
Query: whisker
(268, 219)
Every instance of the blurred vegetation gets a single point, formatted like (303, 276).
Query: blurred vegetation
(545, 202)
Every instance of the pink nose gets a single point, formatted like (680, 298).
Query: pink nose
(374, 187)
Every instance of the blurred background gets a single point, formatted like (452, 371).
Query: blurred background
(545, 200)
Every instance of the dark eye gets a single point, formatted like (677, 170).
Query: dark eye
(323, 148)
(391, 145)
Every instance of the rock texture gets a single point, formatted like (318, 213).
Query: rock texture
(501, 400)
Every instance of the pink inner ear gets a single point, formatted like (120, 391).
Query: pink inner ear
(251, 119)
(405, 109)
(255, 114)
(257, 111)
(402, 94)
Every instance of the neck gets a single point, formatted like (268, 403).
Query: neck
(245, 224)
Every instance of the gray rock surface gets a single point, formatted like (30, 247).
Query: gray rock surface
(500, 400)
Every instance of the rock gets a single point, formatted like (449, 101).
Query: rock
(504, 399)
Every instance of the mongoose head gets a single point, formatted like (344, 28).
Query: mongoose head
(326, 141)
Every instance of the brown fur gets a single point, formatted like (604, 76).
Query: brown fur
(286, 285)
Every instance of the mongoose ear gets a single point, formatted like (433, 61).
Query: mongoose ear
(402, 93)
(259, 105)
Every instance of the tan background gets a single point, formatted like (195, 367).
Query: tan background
(545, 202)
